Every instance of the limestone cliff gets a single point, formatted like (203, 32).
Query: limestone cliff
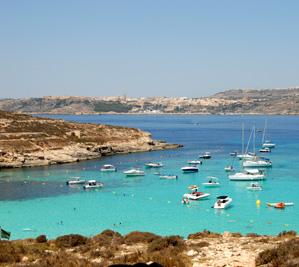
(28, 141)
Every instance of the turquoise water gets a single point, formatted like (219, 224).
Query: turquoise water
(36, 200)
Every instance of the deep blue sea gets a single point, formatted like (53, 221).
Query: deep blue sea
(37, 201)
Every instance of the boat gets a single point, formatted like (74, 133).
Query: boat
(195, 162)
(247, 175)
(194, 194)
(169, 177)
(280, 205)
(254, 187)
(212, 182)
(92, 184)
(75, 180)
(233, 154)
(265, 150)
(108, 168)
(267, 143)
(257, 162)
(154, 165)
(134, 172)
(229, 168)
(245, 154)
(188, 169)
(206, 155)
(222, 202)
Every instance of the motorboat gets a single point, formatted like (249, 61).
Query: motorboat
(254, 187)
(195, 162)
(188, 169)
(92, 184)
(134, 172)
(154, 165)
(222, 202)
(229, 168)
(169, 177)
(108, 168)
(265, 150)
(206, 155)
(247, 175)
(75, 180)
(257, 162)
(194, 194)
(212, 182)
(280, 205)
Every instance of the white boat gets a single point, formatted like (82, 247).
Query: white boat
(108, 168)
(188, 169)
(154, 165)
(206, 155)
(246, 156)
(268, 144)
(134, 172)
(92, 184)
(195, 162)
(222, 202)
(247, 175)
(256, 163)
(265, 150)
(212, 182)
(169, 177)
(194, 194)
(75, 180)
(229, 168)
(254, 187)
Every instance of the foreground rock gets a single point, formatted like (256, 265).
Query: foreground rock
(27, 141)
(109, 248)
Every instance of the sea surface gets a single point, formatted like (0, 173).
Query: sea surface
(36, 201)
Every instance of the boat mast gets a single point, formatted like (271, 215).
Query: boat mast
(253, 129)
(264, 133)
(248, 142)
(243, 138)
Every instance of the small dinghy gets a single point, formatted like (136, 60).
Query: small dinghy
(134, 172)
(93, 184)
(254, 187)
(229, 168)
(195, 162)
(280, 205)
(206, 155)
(265, 150)
(194, 194)
(222, 202)
(108, 168)
(75, 180)
(212, 182)
(154, 165)
(169, 177)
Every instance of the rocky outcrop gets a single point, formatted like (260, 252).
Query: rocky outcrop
(27, 141)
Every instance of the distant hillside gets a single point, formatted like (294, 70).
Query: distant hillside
(268, 101)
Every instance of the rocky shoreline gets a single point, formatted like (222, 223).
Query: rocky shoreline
(109, 248)
(26, 141)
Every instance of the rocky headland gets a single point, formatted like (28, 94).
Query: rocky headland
(27, 141)
(241, 101)
(109, 248)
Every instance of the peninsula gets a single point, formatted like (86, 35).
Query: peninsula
(266, 101)
(27, 141)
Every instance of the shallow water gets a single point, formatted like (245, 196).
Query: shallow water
(36, 200)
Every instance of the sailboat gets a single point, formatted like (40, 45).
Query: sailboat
(256, 161)
(246, 155)
(266, 143)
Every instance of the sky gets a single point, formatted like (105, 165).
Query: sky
(146, 47)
